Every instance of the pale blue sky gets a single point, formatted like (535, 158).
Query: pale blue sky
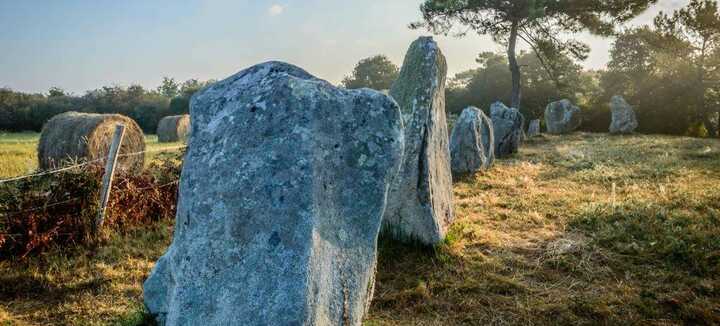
(82, 44)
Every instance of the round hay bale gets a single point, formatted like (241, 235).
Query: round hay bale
(74, 136)
(173, 128)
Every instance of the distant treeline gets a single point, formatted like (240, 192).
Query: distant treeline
(491, 82)
(671, 92)
(669, 71)
(665, 90)
(28, 112)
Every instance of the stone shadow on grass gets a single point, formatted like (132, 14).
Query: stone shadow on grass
(32, 287)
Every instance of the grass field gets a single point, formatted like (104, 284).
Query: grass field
(578, 229)
(18, 152)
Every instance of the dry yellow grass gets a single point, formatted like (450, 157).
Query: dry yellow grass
(18, 153)
(82, 287)
(543, 239)
(579, 229)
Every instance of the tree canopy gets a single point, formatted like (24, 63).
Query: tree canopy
(376, 72)
(694, 33)
(669, 71)
(490, 82)
(539, 23)
(24, 112)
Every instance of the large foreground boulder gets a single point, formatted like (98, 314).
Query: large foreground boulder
(420, 200)
(562, 117)
(507, 129)
(281, 200)
(624, 120)
(534, 128)
(472, 144)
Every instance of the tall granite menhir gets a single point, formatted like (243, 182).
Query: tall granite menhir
(281, 200)
(507, 128)
(420, 200)
(534, 128)
(624, 120)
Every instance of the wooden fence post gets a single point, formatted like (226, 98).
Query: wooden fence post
(108, 176)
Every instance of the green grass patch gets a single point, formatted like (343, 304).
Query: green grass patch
(18, 152)
(671, 235)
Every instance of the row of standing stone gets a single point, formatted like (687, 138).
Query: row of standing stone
(286, 185)
(563, 117)
(288, 182)
(477, 139)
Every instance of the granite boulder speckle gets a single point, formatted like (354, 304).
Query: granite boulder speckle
(472, 144)
(420, 200)
(281, 200)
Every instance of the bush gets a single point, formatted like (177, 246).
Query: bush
(47, 210)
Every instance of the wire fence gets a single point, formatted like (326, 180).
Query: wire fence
(78, 166)
(155, 187)
(72, 200)
(157, 150)
(83, 164)
(54, 171)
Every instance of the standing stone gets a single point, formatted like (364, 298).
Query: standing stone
(281, 200)
(472, 146)
(624, 120)
(507, 129)
(420, 200)
(534, 129)
(562, 117)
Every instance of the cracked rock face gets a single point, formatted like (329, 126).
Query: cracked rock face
(281, 200)
(420, 200)
(507, 128)
(562, 117)
(624, 120)
(534, 128)
(472, 145)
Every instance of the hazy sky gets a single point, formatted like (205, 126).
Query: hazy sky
(85, 44)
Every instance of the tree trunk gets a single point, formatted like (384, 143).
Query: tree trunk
(711, 125)
(706, 113)
(514, 67)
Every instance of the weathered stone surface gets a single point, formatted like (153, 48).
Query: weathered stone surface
(281, 200)
(523, 124)
(562, 117)
(420, 200)
(507, 129)
(534, 129)
(472, 144)
(624, 120)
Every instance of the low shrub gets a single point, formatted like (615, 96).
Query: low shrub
(47, 210)
(59, 210)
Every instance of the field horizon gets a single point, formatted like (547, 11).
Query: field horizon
(18, 152)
